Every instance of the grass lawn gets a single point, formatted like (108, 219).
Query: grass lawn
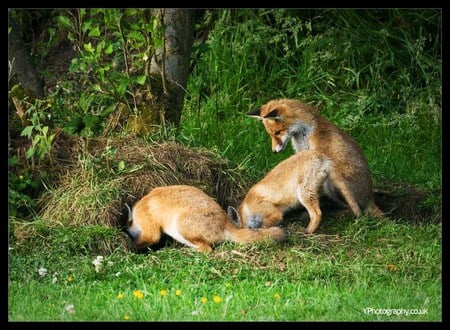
(351, 270)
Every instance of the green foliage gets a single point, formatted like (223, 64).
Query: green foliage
(41, 139)
(115, 47)
(18, 185)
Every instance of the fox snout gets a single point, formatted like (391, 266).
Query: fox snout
(278, 146)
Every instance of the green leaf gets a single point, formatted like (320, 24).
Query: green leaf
(88, 47)
(27, 131)
(121, 165)
(85, 26)
(13, 160)
(90, 120)
(122, 87)
(74, 65)
(94, 32)
(75, 125)
(141, 80)
(109, 49)
(64, 21)
(29, 153)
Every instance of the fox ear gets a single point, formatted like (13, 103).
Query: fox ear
(255, 113)
(233, 215)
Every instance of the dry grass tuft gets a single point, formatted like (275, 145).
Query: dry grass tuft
(100, 175)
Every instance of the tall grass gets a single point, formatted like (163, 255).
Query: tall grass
(375, 73)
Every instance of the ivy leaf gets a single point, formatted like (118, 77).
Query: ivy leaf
(27, 131)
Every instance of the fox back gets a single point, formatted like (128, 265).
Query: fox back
(190, 216)
(297, 181)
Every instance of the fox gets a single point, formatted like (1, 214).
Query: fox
(299, 180)
(191, 217)
(349, 181)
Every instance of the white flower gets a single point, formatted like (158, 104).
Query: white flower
(194, 313)
(70, 309)
(42, 271)
(98, 263)
(54, 278)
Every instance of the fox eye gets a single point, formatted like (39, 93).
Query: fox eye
(277, 133)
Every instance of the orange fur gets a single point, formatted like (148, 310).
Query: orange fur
(189, 216)
(348, 179)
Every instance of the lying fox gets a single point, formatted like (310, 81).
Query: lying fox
(349, 179)
(191, 217)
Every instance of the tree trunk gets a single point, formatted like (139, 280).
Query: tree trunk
(171, 62)
(20, 61)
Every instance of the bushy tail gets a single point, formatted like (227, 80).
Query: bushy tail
(248, 235)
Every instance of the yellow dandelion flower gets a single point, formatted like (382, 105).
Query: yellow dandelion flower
(217, 299)
(70, 279)
(178, 292)
(391, 267)
(120, 295)
(204, 300)
(163, 293)
(138, 294)
(126, 317)
(277, 296)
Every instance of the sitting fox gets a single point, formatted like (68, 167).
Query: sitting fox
(191, 217)
(349, 178)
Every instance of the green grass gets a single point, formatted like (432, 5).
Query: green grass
(331, 276)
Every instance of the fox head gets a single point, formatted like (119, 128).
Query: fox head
(283, 118)
(247, 220)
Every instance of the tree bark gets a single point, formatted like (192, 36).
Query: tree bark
(20, 61)
(172, 61)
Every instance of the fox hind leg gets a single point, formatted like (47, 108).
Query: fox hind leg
(340, 183)
(308, 193)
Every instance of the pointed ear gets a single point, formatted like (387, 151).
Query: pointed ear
(233, 215)
(274, 115)
(255, 114)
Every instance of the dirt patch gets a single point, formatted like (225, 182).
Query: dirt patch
(408, 203)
